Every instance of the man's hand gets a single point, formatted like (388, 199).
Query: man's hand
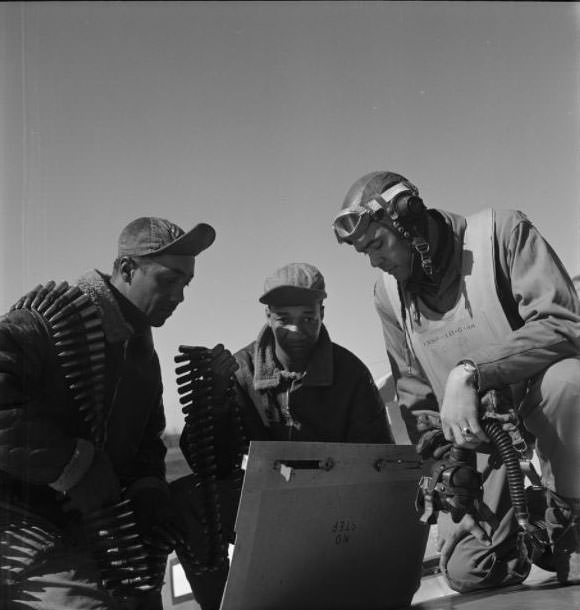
(460, 410)
(218, 359)
(446, 545)
(100, 486)
(223, 366)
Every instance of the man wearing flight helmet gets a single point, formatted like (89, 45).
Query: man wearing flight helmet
(470, 305)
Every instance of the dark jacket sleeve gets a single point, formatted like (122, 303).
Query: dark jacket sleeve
(33, 446)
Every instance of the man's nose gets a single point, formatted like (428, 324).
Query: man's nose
(294, 328)
(177, 296)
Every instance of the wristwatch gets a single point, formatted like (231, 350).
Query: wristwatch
(470, 367)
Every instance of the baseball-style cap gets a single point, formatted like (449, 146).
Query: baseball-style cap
(294, 284)
(148, 236)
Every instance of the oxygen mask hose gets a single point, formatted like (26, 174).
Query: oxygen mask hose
(502, 441)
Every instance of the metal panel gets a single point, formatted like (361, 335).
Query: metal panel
(327, 526)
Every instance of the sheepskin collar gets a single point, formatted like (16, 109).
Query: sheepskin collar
(98, 288)
(269, 374)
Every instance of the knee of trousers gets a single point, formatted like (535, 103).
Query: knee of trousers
(473, 567)
(552, 415)
(556, 390)
(468, 571)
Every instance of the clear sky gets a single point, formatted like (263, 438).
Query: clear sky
(256, 117)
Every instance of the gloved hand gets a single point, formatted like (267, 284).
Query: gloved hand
(223, 366)
(157, 519)
(100, 486)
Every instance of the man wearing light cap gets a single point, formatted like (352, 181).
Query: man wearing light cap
(475, 309)
(82, 466)
(292, 384)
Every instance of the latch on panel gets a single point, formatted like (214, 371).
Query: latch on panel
(286, 467)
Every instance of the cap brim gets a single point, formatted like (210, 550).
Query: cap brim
(292, 295)
(191, 243)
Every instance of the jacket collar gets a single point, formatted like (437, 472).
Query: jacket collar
(267, 371)
(96, 285)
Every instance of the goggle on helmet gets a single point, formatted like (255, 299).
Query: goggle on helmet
(397, 203)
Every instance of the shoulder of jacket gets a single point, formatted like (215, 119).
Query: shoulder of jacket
(346, 358)
(245, 353)
(245, 359)
(509, 217)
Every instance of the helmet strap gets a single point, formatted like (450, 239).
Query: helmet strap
(421, 246)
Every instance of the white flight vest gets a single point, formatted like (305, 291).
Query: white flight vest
(440, 341)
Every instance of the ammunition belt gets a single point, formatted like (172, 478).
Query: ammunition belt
(196, 389)
(127, 565)
(25, 539)
(79, 341)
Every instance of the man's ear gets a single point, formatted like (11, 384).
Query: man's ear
(268, 316)
(321, 311)
(127, 267)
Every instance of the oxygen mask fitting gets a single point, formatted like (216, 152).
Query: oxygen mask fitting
(456, 487)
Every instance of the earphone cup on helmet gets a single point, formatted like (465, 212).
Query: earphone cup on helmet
(416, 206)
(409, 208)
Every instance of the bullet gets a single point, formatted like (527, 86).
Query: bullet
(70, 294)
(82, 306)
(42, 295)
(83, 372)
(87, 325)
(97, 392)
(81, 338)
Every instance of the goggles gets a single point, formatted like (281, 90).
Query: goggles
(353, 221)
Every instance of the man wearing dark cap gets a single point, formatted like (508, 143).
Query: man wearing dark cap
(292, 383)
(482, 326)
(85, 515)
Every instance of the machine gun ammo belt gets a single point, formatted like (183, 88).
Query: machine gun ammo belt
(195, 381)
(127, 565)
(25, 539)
(79, 342)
